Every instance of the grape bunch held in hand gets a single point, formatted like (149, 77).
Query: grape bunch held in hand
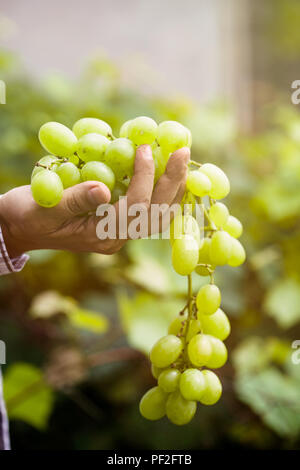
(182, 360)
(90, 152)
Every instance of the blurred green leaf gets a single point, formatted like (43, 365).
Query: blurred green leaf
(94, 322)
(282, 302)
(145, 318)
(27, 396)
(274, 397)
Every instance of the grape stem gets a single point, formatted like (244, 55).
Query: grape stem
(193, 162)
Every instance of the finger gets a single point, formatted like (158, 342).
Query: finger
(174, 177)
(84, 197)
(141, 184)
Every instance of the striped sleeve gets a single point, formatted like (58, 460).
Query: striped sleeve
(8, 265)
(4, 431)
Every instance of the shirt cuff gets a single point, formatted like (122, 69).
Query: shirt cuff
(10, 265)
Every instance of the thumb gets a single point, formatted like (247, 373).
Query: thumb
(84, 197)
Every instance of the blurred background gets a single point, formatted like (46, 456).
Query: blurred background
(78, 327)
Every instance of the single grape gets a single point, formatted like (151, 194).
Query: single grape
(156, 371)
(194, 329)
(190, 139)
(199, 350)
(237, 255)
(185, 253)
(160, 160)
(49, 161)
(213, 388)
(98, 171)
(91, 147)
(233, 226)
(172, 135)
(180, 411)
(216, 324)
(168, 380)
(184, 225)
(124, 129)
(69, 174)
(219, 214)
(204, 258)
(178, 325)
(153, 404)
(47, 188)
(220, 185)
(74, 159)
(165, 351)
(208, 299)
(192, 384)
(142, 130)
(57, 139)
(220, 248)
(219, 353)
(119, 156)
(118, 191)
(198, 183)
(91, 125)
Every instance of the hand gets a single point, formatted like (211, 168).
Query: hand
(69, 226)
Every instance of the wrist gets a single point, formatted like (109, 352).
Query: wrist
(15, 245)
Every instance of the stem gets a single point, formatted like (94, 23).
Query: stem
(193, 162)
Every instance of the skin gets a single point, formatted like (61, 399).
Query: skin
(71, 225)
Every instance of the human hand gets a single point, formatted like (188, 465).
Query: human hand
(70, 225)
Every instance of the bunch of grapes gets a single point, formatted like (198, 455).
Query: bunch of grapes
(90, 152)
(181, 360)
(195, 338)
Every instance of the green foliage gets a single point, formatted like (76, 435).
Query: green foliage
(27, 395)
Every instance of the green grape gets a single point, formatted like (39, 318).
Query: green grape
(47, 188)
(204, 258)
(213, 388)
(165, 351)
(74, 159)
(192, 384)
(69, 174)
(180, 411)
(220, 185)
(184, 225)
(168, 380)
(219, 214)
(156, 371)
(118, 191)
(233, 226)
(91, 125)
(185, 252)
(208, 299)
(172, 135)
(219, 353)
(190, 139)
(198, 183)
(237, 255)
(160, 160)
(178, 325)
(153, 404)
(98, 171)
(124, 129)
(216, 324)
(119, 156)
(142, 130)
(199, 350)
(220, 248)
(91, 147)
(46, 161)
(194, 329)
(57, 139)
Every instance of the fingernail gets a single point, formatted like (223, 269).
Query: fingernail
(146, 150)
(96, 195)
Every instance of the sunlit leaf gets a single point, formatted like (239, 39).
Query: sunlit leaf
(94, 322)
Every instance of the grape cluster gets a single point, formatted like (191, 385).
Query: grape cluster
(181, 360)
(91, 152)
